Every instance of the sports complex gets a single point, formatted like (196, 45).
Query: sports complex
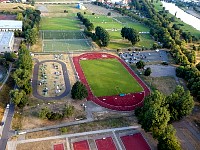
(110, 82)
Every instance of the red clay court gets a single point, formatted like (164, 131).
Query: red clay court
(82, 145)
(58, 147)
(105, 144)
(127, 102)
(7, 17)
(135, 141)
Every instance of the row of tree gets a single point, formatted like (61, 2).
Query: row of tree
(159, 110)
(102, 35)
(86, 22)
(30, 29)
(22, 77)
(130, 34)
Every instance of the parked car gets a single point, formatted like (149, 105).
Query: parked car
(2, 123)
(8, 105)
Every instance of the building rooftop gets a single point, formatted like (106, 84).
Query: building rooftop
(10, 24)
(5, 37)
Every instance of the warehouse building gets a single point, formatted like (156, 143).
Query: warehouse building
(10, 25)
(6, 41)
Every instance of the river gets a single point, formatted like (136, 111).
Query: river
(185, 17)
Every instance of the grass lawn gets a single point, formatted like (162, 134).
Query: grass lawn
(145, 40)
(108, 77)
(116, 45)
(48, 23)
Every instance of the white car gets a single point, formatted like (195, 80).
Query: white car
(8, 105)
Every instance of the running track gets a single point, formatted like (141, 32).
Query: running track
(121, 103)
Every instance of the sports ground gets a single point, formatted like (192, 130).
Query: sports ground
(119, 89)
(64, 41)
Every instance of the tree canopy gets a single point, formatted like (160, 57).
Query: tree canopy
(79, 91)
(130, 34)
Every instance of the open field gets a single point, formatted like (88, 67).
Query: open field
(113, 78)
(13, 7)
(49, 23)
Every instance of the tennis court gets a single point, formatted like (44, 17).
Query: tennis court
(60, 34)
(64, 41)
(135, 141)
(81, 145)
(105, 144)
(66, 45)
(59, 147)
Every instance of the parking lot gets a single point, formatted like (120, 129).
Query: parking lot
(146, 56)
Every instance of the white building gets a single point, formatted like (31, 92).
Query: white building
(10, 25)
(6, 41)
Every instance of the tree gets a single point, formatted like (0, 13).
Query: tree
(31, 36)
(154, 115)
(102, 35)
(109, 14)
(19, 16)
(68, 111)
(17, 96)
(147, 72)
(130, 34)
(10, 56)
(21, 77)
(180, 103)
(168, 140)
(140, 64)
(43, 113)
(198, 66)
(79, 91)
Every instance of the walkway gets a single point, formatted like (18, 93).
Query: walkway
(35, 81)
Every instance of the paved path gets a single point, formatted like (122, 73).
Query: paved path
(6, 128)
(35, 81)
(8, 74)
(77, 134)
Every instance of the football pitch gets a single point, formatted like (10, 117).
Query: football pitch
(108, 77)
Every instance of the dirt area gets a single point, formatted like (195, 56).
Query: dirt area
(42, 145)
(29, 119)
(37, 47)
(197, 57)
(1, 113)
(14, 7)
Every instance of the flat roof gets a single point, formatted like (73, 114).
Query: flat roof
(10, 24)
(5, 37)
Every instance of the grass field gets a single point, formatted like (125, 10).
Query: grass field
(49, 23)
(52, 34)
(14, 7)
(108, 77)
(66, 45)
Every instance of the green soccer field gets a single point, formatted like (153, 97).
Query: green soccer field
(50, 23)
(108, 77)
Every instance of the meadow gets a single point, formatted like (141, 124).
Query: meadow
(109, 77)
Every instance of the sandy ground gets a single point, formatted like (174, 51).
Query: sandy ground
(160, 70)
(43, 145)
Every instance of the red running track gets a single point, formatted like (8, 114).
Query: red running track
(105, 144)
(82, 145)
(121, 103)
(135, 141)
(58, 147)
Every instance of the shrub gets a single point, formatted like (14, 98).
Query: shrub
(79, 91)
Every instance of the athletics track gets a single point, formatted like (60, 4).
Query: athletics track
(116, 102)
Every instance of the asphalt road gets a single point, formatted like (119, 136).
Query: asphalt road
(35, 81)
(6, 129)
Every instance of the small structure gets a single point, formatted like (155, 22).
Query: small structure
(6, 41)
(80, 6)
(10, 25)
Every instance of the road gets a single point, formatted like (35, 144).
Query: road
(10, 68)
(6, 128)
(35, 81)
